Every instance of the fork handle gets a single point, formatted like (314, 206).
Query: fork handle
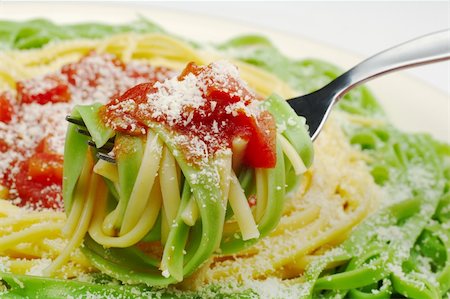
(429, 48)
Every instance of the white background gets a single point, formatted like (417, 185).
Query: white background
(363, 28)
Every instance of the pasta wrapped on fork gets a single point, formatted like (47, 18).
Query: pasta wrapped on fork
(196, 165)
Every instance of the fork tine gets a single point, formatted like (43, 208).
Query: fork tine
(106, 148)
(106, 157)
(84, 132)
(313, 108)
(91, 143)
(75, 121)
(102, 151)
(80, 122)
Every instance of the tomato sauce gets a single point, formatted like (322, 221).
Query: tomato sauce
(6, 108)
(47, 89)
(39, 179)
(32, 126)
(218, 109)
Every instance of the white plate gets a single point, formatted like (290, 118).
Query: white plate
(412, 105)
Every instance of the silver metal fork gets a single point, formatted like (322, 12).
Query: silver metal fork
(316, 106)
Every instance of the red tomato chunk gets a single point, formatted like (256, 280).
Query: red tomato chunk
(6, 108)
(3, 146)
(46, 168)
(224, 115)
(48, 89)
(39, 179)
(38, 182)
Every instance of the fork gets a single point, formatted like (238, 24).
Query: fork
(316, 106)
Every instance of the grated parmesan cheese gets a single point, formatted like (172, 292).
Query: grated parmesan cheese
(96, 78)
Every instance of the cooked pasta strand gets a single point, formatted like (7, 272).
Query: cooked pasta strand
(82, 189)
(169, 185)
(143, 226)
(81, 229)
(292, 155)
(144, 182)
(242, 210)
(164, 227)
(261, 192)
(190, 213)
(30, 234)
(107, 170)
